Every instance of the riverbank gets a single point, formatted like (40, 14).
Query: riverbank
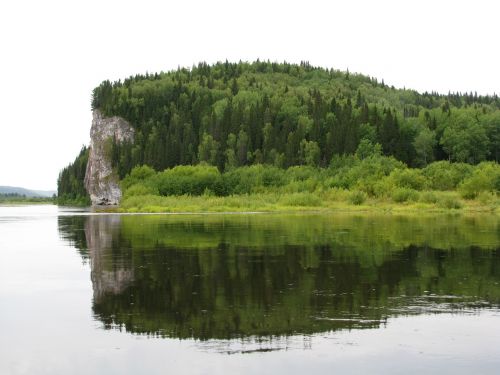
(330, 200)
(373, 184)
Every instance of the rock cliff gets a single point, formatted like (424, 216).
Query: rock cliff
(100, 181)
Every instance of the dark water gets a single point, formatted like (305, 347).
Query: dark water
(205, 294)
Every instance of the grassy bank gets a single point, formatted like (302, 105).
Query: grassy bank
(330, 200)
(350, 183)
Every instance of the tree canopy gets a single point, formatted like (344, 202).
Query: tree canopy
(237, 114)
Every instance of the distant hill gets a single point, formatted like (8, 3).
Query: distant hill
(233, 115)
(26, 192)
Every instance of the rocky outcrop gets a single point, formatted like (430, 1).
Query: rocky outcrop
(100, 181)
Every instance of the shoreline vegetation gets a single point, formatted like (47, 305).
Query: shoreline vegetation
(375, 183)
(274, 136)
(266, 204)
(10, 199)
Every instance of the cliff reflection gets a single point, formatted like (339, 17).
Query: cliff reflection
(220, 277)
(111, 272)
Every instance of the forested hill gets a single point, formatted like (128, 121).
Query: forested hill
(234, 114)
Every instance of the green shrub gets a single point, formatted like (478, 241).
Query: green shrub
(383, 187)
(450, 203)
(190, 179)
(443, 175)
(428, 197)
(208, 193)
(243, 180)
(138, 174)
(140, 189)
(368, 171)
(255, 178)
(308, 185)
(348, 173)
(300, 199)
(486, 198)
(336, 194)
(400, 195)
(73, 200)
(335, 182)
(273, 176)
(408, 178)
(484, 179)
(301, 173)
(379, 188)
(340, 162)
(357, 197)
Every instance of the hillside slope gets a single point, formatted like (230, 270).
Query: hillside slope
(230, 115)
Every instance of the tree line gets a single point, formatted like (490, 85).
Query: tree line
(70, 183)
(239, 114)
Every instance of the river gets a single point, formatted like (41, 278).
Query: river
(84, 292)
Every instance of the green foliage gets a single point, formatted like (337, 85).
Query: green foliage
(487, 198)
(309, 153)
(465, 139)
(302, 173)
(367, 149)
(348, 181)
(429, 197)
(231, 115)
(485, 178)
(191, 180)
(357, 197)
(424, 144)
(301, 199)
(70, 183)
(443, 175)
(364, 174)
(492, 125)
(245, 180)
(208, 149)
(407, 178)
(140, 189)
(402, 194)
(450, 202)
(138, 174)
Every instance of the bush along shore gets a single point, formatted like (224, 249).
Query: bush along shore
(357, 182)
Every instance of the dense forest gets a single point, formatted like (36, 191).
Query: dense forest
(70, 186)
(238, 114)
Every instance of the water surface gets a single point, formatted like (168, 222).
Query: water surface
(97, 293)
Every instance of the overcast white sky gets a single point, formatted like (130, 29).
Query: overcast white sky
(53, 53)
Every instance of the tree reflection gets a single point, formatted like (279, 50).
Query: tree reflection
(221, 277)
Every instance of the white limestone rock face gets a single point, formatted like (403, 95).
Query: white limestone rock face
(100, 181)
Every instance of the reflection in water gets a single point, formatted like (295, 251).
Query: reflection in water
(106, 278)
(269, 277)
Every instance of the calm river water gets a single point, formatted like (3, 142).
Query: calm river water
(84, 293)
